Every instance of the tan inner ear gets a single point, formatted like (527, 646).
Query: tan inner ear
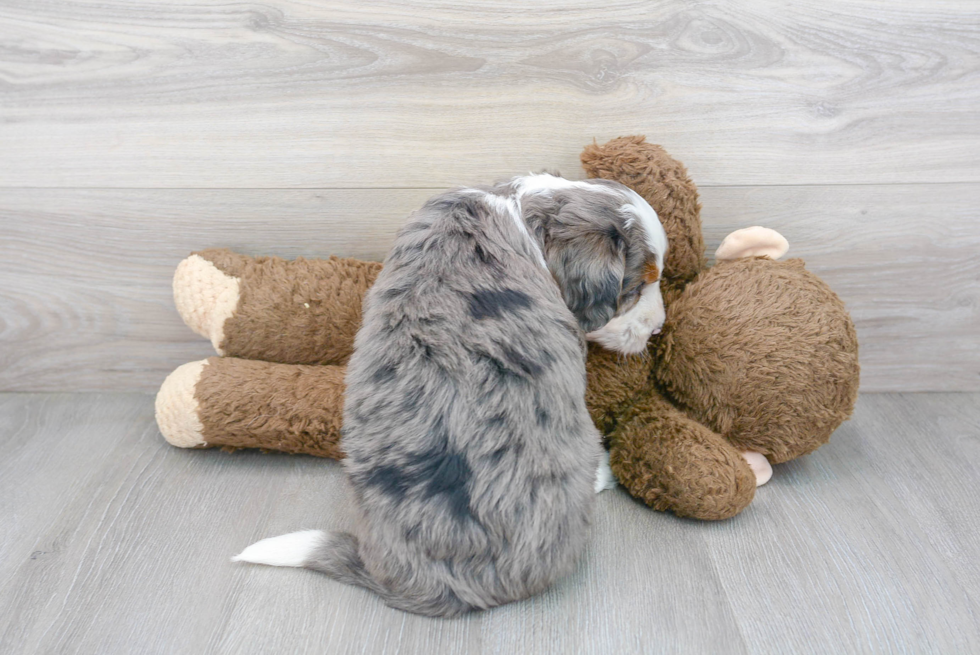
(651, 273)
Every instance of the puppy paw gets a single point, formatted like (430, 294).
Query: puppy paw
(752, 242)
(760, 466)
(604, 477)
(177, 408)
(205, 298)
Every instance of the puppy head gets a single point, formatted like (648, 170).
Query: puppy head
(605, 248)
(640, 312)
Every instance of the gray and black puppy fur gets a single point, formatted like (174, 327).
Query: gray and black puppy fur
(470, 451)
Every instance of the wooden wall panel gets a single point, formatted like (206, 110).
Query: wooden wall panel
(280, 93)
(85, 298)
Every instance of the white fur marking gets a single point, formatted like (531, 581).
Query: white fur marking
(650, 222)
(293, 549)
(604, 477)
(545, 182)
(629, 332)
(512, 206)
(502, 205)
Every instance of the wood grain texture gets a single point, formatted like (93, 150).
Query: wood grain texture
(280, 93)
(883, 512)
(86, 304)
(115, 542)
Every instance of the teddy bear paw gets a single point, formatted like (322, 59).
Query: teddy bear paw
(205, 298)
(177, 408)
(759, 465)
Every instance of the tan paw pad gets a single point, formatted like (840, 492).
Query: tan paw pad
(205, 297)
(177, 408)
(759, 465)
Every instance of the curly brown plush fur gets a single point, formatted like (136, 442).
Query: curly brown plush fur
(731, 376)
(755, 354)
(295, 312)
(287, 407)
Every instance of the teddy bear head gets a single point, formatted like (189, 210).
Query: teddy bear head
(664, 183)
(615, 381)
(761, 351)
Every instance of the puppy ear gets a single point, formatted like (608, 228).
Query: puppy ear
(589, 271)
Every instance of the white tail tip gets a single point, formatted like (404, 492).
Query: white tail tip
(293, 549)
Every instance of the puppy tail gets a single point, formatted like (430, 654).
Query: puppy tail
(336, 554)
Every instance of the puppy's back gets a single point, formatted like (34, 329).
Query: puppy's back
(469, 446)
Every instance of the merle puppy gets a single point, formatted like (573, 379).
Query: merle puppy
(470, 451)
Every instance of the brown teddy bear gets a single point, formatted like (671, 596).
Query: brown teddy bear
(756, 362)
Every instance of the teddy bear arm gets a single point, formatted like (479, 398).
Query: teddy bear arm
(671, 462)
(305, 311)
(239, 403)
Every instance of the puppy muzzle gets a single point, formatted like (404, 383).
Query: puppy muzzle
(629, 333)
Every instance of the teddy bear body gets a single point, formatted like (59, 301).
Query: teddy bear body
(755, 355)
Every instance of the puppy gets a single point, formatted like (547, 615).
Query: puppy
(469, 447)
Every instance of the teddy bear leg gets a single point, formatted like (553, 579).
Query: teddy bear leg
(671, 462)
(270, 309)
(239, 403)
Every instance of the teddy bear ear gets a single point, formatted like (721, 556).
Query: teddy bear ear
(752, 242)
(663, 182)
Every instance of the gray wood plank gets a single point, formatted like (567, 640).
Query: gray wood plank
(870, 544)
(138, 560)
(85, 274)
(120, 545)
(52, 471)
(126, 561)
(287, 93)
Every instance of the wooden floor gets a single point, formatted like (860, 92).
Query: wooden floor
(115, 542)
